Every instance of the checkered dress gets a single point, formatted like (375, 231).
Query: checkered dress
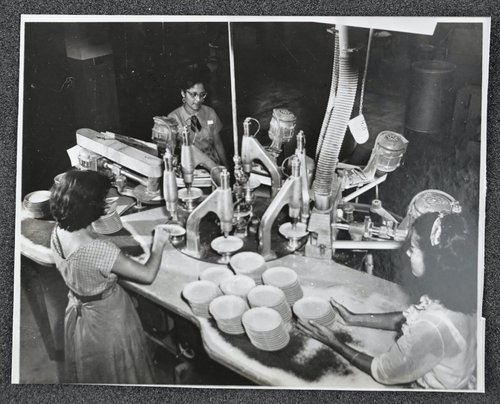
(87, 271)
(104, 339)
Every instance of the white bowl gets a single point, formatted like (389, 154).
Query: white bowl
(238, 285)
(227, 307)
(200, 292)
(216, 274)
(266, 295)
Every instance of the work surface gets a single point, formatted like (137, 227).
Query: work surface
(304, 363)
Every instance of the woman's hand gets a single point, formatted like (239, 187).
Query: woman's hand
(345, 314)
(319, 332)
(384, 321)
(160, 237)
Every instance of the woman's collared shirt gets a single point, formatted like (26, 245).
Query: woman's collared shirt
(210, 125)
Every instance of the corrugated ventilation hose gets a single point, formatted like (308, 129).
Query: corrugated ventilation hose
(337, 123)
(333, 90)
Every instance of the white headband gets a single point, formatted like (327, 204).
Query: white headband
(435, 236)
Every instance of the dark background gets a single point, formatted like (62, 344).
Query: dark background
(161, 101)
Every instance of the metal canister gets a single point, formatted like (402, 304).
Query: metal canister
(165, 133)
(430, 101)
(390, 148)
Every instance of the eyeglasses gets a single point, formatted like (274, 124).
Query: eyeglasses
(194, 94)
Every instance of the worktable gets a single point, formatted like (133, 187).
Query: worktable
(304, 363)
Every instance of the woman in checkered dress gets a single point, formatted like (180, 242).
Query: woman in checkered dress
(104, 339)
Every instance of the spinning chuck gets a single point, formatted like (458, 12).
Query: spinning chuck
(189, 197)
(294, 232)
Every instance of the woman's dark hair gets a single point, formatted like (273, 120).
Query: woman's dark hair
(78, 198)
(451, 265)
(192, 77)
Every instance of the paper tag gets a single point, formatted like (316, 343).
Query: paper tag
(73, 155)
(359, 129)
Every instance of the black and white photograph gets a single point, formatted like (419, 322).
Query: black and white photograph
(251, 202)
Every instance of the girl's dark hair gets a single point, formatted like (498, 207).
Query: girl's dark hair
(79, 198)
(450, 266)
(192, 77)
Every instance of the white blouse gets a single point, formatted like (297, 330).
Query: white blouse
(437, 349)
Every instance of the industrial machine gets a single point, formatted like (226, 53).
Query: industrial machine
(310, 203)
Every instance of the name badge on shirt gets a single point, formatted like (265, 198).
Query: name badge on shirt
(210, 122)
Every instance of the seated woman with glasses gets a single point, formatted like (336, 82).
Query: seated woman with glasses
(202, 120)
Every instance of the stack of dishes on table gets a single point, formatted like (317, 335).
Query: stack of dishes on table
(287, 280)
(271, 297)
(238, 285)
(314, 308)
(199, 294)
(37, 204)
(265, 328)
(216, 274)
(227, 312)
(250, 264)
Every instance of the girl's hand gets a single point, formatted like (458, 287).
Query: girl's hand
(345, 314)
(319, 332)
(161, 236)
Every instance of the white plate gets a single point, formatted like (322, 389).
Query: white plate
(261, 319)
(227, 307)
(266, 295)
(247, 263)
(175, 230)
(313, 308)
(238, 285)
(225, 245)
(216, 274)
(200, 292)
(281, 277)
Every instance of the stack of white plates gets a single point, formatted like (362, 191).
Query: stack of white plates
(199, 294)
(250, 264)
(216, 274)
(38, 204)
(238, 285)
(265, 329)
(315, 308)
(272, 297)
(287, 280)
(227, 312)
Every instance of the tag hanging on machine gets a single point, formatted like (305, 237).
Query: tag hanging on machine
(357, 125)
(359, 129)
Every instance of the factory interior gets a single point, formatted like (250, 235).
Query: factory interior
(117, 76)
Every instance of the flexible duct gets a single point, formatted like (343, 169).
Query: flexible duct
(337, 125)
(333, 91)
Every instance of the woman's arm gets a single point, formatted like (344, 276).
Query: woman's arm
(127, 267)
(384, 321)
(326, 336)
(410, 358)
